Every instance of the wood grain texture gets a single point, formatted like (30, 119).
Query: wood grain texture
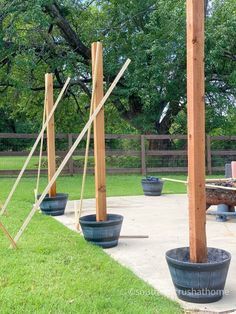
(99, 138)
(50, 132)
(33, 149)
(196, 130)
(71, 151)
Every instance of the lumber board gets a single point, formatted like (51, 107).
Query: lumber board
(196, 130)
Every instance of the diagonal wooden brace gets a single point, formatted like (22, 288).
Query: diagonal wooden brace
(78, 140)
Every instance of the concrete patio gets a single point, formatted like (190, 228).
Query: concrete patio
(165, 220)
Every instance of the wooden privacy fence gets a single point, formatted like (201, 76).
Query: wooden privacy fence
(125, 153)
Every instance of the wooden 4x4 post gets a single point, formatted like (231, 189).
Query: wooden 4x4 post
(99, 138)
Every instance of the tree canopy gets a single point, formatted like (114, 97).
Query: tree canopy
(55, 36)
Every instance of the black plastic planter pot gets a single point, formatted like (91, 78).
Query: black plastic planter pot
(54, 206)
(152, 187)
(198, 282)
(103, 233)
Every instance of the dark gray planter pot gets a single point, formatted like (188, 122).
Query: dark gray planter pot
(222, 208)
(152, 188)
(54, 206)
(102, 233)
(198, 282)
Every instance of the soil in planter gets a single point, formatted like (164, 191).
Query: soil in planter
(198, 282)
(213, 256)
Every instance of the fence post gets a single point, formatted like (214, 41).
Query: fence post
(208, 147)
(143, 156)
(71, 162)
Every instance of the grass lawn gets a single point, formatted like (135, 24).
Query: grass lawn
(56, 271)
(17, 162)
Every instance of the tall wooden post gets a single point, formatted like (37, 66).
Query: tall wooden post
(99, 137)
(196, 130)
(50, 132)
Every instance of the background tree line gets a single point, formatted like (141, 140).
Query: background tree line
(39, 36)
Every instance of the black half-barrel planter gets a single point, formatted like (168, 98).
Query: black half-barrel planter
(55, 205)
(198, 282)
(152, 186)
(102, 233)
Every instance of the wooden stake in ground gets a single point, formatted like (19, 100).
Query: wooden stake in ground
(40, 154)
(34, 148)
(7, 234)
(196, 130)
(77, 141)
(99, 137)
(78, 213)
(51, 153)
